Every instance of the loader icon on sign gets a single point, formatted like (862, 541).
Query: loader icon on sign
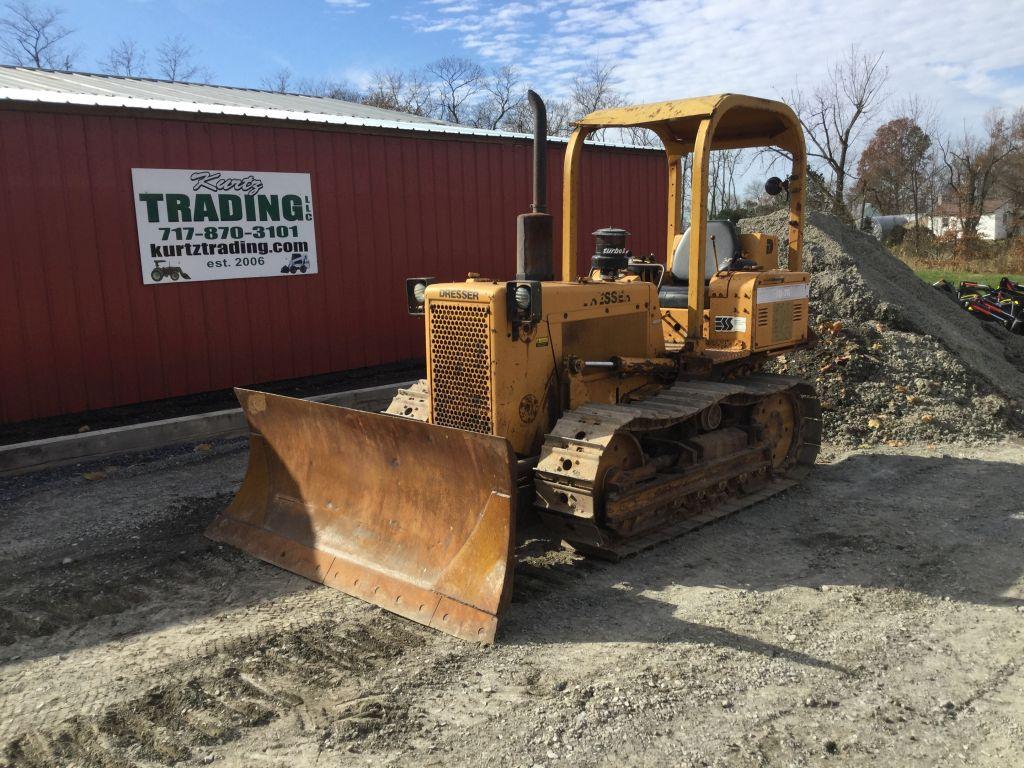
(299, 262)
(160, 272)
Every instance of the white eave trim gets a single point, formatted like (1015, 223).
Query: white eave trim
(26, 95)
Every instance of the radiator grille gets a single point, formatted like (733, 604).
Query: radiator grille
(460, 384)
(782, 322)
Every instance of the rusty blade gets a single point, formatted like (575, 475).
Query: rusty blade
(413, 517)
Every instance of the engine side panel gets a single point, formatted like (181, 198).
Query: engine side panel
(489, 374)
(749, 312)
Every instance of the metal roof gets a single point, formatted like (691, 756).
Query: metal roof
(43, 86)
(45, 81)
(989, 206)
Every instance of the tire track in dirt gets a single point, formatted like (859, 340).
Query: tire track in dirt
(544, 570)
(111, 574)
(243, 684)
(103, 676)
(266, 655)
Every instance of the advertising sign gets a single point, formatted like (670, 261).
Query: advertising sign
(222, 225)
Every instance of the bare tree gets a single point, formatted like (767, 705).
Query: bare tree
(757, 202)
(284, 81)
(386, 89)
(972, 167)
(722, 177)
(643, 137)
(593, 88)
(1011, 180)
(559, 119)
(279, 81)
(520, 118)
(503, 92)
(835, 113)
(331, 89)
(457, 80)
(924, 183)
(33, 36)
(460, 91)
(126, 59)
(175, 60)
(416, 98)
(686, 182)
(399, 91)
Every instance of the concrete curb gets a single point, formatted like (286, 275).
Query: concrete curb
(68, 449)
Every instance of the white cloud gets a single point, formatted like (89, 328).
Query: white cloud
(347, 6)
(458, 8)
(955, 55)
(359, 77)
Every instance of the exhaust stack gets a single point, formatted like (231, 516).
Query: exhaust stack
(535, 230)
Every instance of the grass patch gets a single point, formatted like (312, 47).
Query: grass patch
(934, 275)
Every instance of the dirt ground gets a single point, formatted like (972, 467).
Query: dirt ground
(873, 616)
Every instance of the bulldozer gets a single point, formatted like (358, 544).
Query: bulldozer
(621, 407)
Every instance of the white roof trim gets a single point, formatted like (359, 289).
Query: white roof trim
(165, 105)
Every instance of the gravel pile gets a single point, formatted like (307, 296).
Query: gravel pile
(896, 360)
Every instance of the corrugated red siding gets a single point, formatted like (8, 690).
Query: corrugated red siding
(79, 330)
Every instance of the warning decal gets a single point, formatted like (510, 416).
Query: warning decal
(730, 324)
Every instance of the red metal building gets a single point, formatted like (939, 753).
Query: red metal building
(393, 198)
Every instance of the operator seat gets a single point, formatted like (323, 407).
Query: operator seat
(727, 246)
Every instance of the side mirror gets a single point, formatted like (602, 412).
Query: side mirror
(775, 185)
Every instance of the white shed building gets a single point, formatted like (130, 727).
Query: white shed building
(996, 222)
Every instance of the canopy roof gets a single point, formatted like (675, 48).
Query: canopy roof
(743, 121)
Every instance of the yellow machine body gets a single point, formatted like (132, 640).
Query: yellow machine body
(489, 375)
(748, 312)
(615, 414)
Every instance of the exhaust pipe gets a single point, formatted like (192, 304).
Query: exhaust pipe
(540, 153)
(535, 230)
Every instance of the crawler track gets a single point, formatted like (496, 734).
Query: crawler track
(610, 481)
(614, 479)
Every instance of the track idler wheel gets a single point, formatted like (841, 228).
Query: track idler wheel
(779, 416)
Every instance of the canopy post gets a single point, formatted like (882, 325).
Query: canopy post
(571, 201)
(698, 236)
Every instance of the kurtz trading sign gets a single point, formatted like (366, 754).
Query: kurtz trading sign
(218, 225)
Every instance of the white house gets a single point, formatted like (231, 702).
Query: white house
(996, 222)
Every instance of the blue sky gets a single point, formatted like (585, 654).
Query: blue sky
(962, 57)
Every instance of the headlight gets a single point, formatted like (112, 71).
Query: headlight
(416, 294)
(523, 301)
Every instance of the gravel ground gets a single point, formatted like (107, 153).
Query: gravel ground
(872, 616)
(897, 361)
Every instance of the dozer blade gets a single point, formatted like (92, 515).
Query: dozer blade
(415, 518)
